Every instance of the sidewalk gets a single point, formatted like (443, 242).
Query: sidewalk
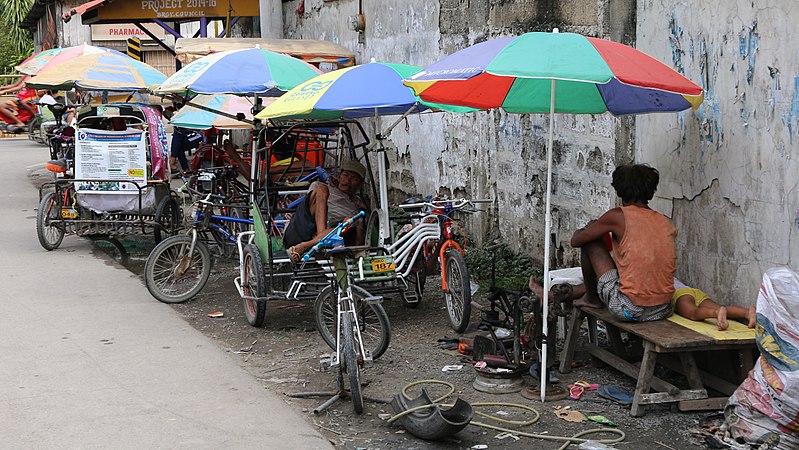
(89, 360)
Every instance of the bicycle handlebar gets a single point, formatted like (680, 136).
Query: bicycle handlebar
(457, 203)
(328, 240)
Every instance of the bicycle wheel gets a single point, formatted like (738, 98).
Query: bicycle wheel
(50, 235)
(351, 363)
(372, 321)
(253, 283)
(171, 274)
(167, 218)
(459, 294)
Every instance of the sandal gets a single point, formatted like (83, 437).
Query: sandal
(576, 391)
(294, 255)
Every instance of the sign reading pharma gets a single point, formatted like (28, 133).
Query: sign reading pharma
(123, 31)
(171, 9)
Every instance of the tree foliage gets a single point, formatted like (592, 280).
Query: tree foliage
(15, 43)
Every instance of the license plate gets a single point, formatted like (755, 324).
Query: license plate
(69, 213)
(383, 265)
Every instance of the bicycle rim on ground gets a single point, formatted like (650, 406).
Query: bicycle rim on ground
(254, 285)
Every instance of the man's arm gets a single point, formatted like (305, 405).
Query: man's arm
(610, 222)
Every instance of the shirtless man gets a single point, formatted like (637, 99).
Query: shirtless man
(323, 208)
(639, 283)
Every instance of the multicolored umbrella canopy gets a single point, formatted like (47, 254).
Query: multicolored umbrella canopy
(593, 76)
(55, 56)
(201, 119)
(555, 72)
(107, 71)
(248, 71)
(368, 90)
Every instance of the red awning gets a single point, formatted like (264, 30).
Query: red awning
(82, 9)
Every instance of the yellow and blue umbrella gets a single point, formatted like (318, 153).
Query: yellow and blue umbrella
(368, 90)
(249, 71)
(197, 115)
(105, 71)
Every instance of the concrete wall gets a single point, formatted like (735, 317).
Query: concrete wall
(731, 167)
(726, 169)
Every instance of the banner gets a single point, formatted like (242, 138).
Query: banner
(110, 155)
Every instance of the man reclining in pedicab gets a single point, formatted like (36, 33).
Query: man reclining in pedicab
(325, 206)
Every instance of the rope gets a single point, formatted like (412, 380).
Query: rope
(567, 440)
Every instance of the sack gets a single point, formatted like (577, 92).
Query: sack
(764, 409)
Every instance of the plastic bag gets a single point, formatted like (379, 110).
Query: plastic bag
(764, 410)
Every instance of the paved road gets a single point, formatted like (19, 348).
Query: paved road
(89, 360)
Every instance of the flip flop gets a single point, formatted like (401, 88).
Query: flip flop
(616, 393)
(576, 391)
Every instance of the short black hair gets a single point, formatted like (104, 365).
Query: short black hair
(635, 183)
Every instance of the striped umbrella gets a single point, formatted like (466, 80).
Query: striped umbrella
(107, 71)
(55, 56)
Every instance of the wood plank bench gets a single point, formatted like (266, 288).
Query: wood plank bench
(659, 338)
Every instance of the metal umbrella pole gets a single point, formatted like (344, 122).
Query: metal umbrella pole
(547, 231)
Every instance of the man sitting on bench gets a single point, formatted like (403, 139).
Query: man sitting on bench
(324, 207)
(638, 285)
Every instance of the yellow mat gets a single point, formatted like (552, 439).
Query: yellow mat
(736, 330)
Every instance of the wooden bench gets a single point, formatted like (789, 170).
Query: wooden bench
(659, 338)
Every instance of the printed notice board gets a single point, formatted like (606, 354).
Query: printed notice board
(110, 155)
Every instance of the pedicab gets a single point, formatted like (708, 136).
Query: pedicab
(118, 184)
(288, 159)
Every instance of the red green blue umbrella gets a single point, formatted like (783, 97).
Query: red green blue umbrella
(247, 71)
(593, 76)
(199, 113)
(555, 72)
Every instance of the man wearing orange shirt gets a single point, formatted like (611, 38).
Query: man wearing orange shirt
(639, 283)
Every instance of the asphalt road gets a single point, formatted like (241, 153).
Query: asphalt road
(89, 360)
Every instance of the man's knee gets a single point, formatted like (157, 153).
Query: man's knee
(599, 256)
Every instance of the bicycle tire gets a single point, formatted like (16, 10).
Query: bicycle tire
(459, 294)
(160, 275)
(372, 320)
(50, 236)
(351, 364)
(167, 219)
(253, 283)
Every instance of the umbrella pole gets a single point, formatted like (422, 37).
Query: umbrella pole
(547, 230)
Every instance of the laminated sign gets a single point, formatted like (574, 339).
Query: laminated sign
(116, 159)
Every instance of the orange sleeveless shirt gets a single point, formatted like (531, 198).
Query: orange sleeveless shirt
(646, 257)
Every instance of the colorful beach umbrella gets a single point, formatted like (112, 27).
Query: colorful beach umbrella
(107, 71)
(55, 56)
(248, 71)
(200, 118)
(555, 72)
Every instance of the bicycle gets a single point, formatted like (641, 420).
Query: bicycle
(179, 266)
(352, 352)
(429, 246)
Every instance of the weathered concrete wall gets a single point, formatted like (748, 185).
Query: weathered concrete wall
(488, 154)
(731, 167)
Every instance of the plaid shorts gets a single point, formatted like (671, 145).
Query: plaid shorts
(622, 307)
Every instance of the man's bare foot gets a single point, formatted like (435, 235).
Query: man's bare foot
(721, 318)
(586, 301)
(752, 317)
